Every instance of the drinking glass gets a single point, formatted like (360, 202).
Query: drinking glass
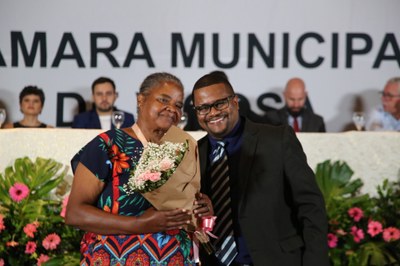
(359, 120)
(184, 120)
(118, 118)
(2, 116)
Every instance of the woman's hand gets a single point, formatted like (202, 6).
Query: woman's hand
(160, 221)
(202, 206)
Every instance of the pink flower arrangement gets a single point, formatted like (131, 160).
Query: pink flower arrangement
(18, 192)
(156, 165)
(349, 233)
(31, 229)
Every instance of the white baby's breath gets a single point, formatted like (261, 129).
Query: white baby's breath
(156, 165)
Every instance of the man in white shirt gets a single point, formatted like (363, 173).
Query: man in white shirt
(387, 116)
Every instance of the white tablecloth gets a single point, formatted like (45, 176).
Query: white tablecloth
(373, 156)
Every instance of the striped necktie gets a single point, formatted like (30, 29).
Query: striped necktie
(221, 198)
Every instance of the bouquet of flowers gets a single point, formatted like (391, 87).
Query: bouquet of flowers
(156, 165)
(32, 205)
(168, 176)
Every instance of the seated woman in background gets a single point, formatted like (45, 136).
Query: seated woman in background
(31, 101)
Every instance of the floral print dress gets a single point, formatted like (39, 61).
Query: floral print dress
(110, 157)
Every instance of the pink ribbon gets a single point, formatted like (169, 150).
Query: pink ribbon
(207, 225)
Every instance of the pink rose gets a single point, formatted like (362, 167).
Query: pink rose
(166, 164)
(355, 213)
(374, 228)
(154, 177)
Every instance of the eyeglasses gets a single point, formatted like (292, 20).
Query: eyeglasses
(388, 95)
(218, 105)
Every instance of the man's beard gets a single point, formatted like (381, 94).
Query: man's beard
(104, 110)
(295, 113)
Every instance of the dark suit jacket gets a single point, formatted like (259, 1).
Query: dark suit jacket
(311, 122)
(281, 209)
(90, 119)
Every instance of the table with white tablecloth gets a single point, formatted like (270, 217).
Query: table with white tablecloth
(373, 156)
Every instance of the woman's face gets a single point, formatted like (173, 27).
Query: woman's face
(31, 105)
(161, 107)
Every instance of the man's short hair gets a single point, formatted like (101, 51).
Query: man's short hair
(102, 80)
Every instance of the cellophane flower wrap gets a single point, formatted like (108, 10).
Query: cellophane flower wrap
(175, 172)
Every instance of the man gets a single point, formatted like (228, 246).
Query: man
(269, 208)
(295, 112)
(104, 95)
(387, 116)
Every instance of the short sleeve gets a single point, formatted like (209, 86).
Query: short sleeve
(94, 155)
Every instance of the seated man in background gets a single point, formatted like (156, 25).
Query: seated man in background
(295, 113)
(387, 116)
(104, 95)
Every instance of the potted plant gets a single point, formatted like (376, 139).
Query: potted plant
(32, 204)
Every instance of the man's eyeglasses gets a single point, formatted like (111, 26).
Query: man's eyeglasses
(388, 95)
(218, 105)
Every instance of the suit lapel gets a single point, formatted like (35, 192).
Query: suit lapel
(203, 157)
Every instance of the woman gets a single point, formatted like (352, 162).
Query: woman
(31, 101)
(127, 229)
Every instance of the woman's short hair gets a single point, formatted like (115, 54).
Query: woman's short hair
(28, 90)
(156, 79)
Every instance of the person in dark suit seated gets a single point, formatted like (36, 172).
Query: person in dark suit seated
(269, 208)
(295, 113)
(104, 95)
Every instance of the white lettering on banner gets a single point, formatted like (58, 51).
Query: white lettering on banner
(356, 44)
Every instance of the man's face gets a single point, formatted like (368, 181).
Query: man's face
(391, 98)
(218, 123)
(104, 97)
(295, 98)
